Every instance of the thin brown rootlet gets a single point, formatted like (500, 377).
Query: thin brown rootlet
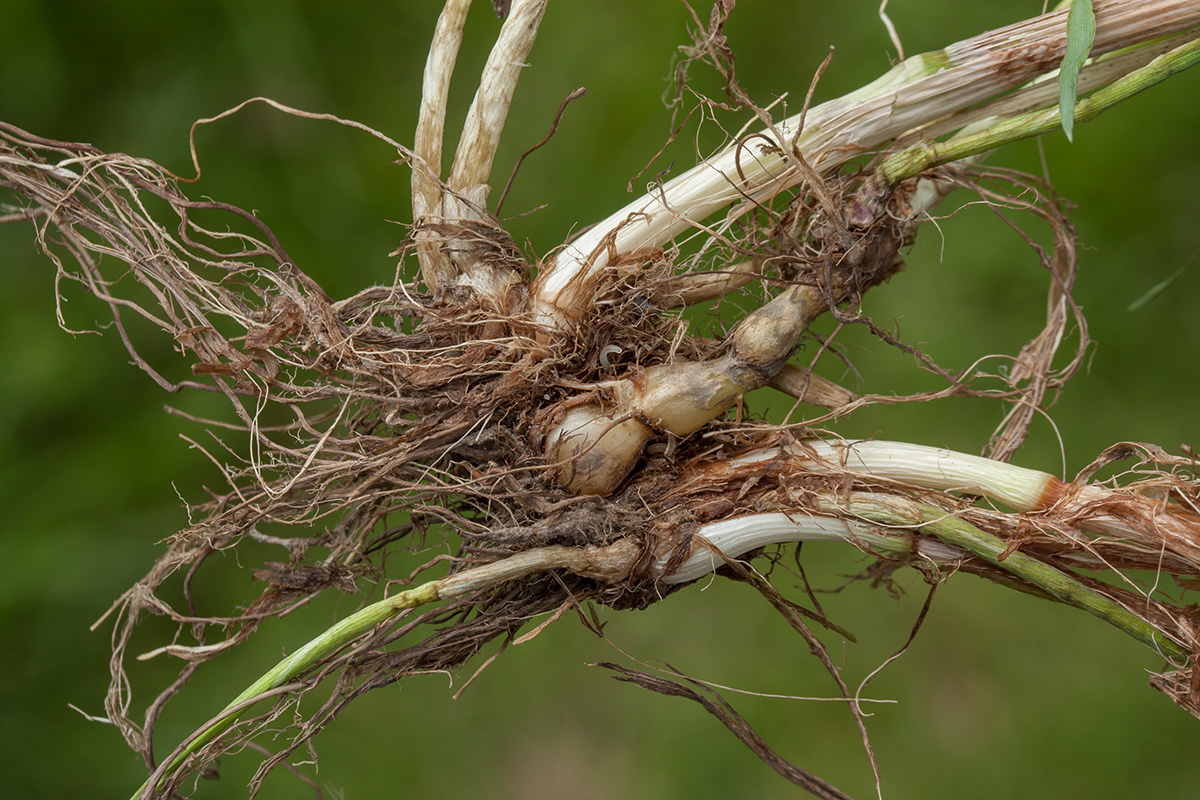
(413, 414)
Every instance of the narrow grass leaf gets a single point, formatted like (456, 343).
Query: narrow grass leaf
(1081, 31)
(1156, 290)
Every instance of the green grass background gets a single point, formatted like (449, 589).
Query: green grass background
(1000, 696)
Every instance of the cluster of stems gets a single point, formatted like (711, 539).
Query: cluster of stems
(598, 444)
(931, 109)
(886, 524)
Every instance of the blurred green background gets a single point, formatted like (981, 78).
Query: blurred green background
(1000, 695)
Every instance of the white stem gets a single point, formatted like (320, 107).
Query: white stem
(747, 169)
(734, 537)
(928, 467)
(489, 109)
(427, 142)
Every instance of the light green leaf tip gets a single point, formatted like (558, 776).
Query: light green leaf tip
(1081, 32)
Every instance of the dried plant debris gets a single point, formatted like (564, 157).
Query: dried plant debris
(467, 406)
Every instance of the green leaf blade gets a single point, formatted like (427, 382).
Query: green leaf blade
(1081, 32)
